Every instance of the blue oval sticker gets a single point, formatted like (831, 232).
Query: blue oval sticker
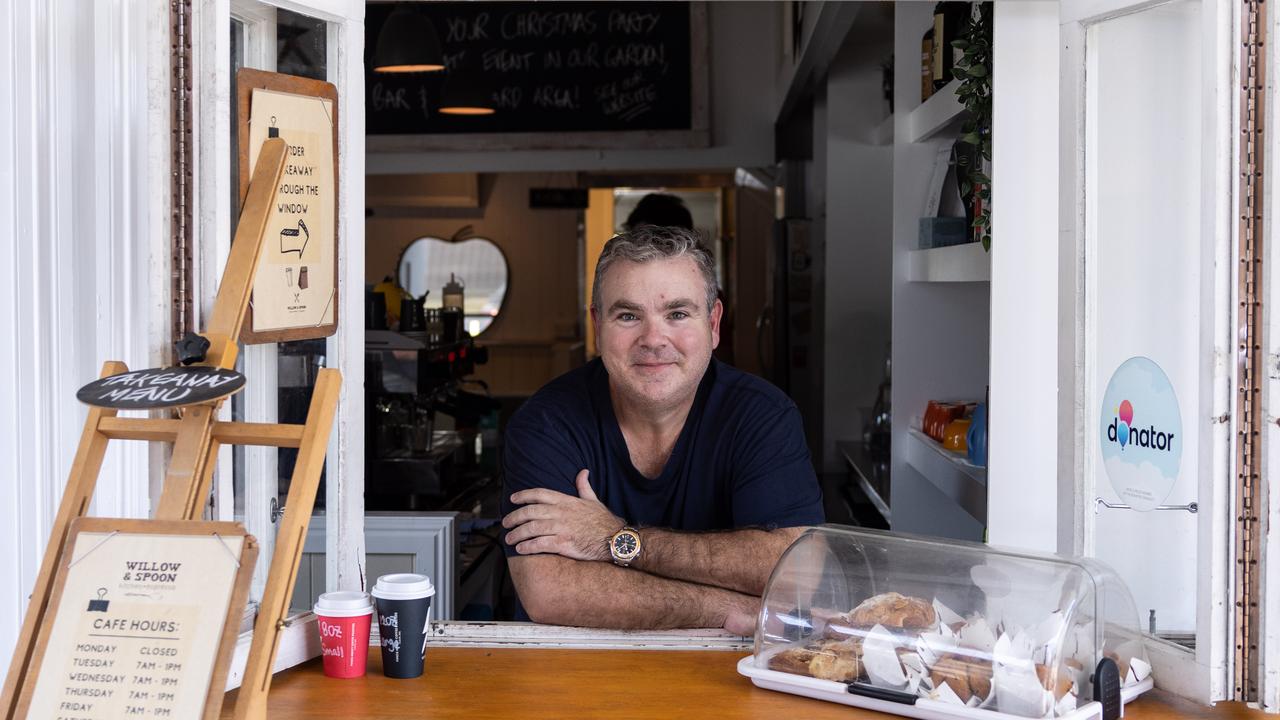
(1141, 434)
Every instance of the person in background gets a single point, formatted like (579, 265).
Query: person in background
(654, 487)
(662, 210)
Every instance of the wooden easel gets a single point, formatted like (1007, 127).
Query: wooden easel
(196, 437)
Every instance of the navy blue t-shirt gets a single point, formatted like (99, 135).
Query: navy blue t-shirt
(740, 461)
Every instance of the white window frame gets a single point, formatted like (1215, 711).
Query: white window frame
(1269, 633)
(1203, 675)
(345, 349)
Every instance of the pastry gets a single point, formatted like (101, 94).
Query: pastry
(955, 673)
(836, 660)
(1058, 683)
(837, 630)
(980, 677)
(1121, 664)
(967, 677)
(894, 611)
(794, 660)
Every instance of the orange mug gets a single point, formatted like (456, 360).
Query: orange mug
(955, 435)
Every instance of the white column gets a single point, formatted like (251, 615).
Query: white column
(344, 489)
(1022, 491)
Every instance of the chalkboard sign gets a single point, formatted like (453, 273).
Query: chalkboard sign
(161, 387)
(550, 67)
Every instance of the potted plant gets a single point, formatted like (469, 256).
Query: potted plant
(973, 69)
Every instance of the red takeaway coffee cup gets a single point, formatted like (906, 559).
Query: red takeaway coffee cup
(343, 619)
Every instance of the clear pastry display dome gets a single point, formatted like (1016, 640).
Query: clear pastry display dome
(932, 628)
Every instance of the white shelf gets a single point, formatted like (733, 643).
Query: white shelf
(958, 263)
(882, 134)
(935, 114)
(953, 475)
(855, 456)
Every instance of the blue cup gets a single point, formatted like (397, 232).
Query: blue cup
(977, 437)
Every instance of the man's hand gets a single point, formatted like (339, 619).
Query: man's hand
(578, 528)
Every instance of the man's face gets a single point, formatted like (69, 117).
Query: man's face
(654, 332)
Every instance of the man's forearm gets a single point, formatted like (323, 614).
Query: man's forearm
(738, 560)
(560, 591)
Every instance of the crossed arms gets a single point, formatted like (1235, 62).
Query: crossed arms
(565, 575)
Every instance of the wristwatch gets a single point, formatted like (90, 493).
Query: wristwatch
(624, 546)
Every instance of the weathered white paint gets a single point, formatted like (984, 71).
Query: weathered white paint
(487, 634)
(345, 489)
(300, 643)
(345, 466)
(260, 399)
(84, 266)
(1269, 695)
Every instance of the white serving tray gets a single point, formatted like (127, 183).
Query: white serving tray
(923, 708)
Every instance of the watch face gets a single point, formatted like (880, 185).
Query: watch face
(624, 544)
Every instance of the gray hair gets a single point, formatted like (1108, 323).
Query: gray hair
(645, 243)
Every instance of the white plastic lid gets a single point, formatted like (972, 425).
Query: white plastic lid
(403, 586)
(344, 603)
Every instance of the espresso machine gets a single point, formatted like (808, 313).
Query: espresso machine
(413, 374)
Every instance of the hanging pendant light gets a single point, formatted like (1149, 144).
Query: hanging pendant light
(465, 93)
(407, 43)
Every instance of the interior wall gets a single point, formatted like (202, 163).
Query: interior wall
(859, 247)
(541, 307)
(744, 59)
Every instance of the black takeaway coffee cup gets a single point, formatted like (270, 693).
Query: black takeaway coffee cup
(404, 611)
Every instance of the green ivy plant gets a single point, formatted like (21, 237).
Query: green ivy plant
(973, 70)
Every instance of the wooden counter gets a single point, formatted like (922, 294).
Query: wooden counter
(554, 683)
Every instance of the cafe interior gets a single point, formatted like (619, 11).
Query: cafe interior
(479, 263)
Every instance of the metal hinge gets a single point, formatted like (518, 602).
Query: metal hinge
(181, 231)
(1248, 412)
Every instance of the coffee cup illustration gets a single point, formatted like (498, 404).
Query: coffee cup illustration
(99, 605)
(302, 278)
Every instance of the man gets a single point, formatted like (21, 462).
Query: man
(654, 487)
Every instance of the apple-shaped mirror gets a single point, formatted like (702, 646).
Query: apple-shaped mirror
(478, 264)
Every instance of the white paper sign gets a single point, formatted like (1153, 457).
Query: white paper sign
(137, 628)
(294, 287)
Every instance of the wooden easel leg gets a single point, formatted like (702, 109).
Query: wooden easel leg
(180, 498)
(205, 486)
(75, 501)
(251, 704)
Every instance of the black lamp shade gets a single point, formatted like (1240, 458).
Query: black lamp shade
(466, 93)
(407, 43)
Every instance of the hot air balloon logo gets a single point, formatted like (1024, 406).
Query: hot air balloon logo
(1121, 428)
(1125, 414)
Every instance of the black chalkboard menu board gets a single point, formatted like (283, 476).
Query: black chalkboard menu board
(549, 67)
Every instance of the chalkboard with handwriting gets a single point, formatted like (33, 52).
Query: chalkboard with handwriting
(546, 67)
